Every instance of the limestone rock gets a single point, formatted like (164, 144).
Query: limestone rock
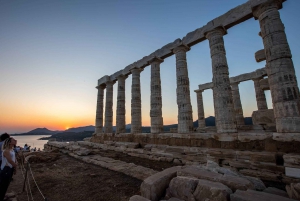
(293, 190)
(213, 191)
(258, 184)
(265, 117)
(154, 186)
(138, 198)
(276, 191)
(251, 195)
(83, 152)
(235, 183)
(182, 187)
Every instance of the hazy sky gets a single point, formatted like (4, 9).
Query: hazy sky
(52, 52)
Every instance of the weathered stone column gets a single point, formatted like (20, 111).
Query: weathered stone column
(260, 95)
(136, 104)
(237, 104)
(120, 117)
(185, 112)
(156, 101)
(224, 110)
(280, 68)
(201, 119)
(99, 110)
(109, 107)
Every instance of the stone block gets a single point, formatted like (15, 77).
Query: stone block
(103, 80)
(264, 84)
(292, 172)
(138, 198)
(214, 191)
(276, 191)
(233, 182)
(251, 195)
(154, 186)
(291, 160)
(182, 187)
(260, 55)
(263, 117)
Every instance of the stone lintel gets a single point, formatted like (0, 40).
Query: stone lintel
(103, 80)
(286, 137)
(260, 55)
(264, 84)
(232, 17)
(166, 50)
(205, 86)
(114, 77)
(261, 72)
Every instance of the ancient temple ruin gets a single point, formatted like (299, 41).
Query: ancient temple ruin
(268, 149)
(279, 70)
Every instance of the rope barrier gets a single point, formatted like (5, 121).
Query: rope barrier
(36, 183)
(28, 167)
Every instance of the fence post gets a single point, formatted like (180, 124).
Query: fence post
(27, 167)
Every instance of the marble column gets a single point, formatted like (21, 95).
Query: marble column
(155, 98)
(109, 107)
(201, 119)
(237, 104)
(99, 110)
(120, 117)
(185, 112)
(223, 103)
(280, 68)
(136, 104)
(260, 95)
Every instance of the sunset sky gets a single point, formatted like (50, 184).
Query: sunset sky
(52, 52)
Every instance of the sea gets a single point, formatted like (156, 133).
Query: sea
(31, 140)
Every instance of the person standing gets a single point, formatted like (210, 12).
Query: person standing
(8, 165)
(3, 137)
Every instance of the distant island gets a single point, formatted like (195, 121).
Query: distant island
(79, 133)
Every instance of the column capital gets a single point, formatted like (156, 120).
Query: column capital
(110, 82)
(258, 8)
(101, 86)
(136, 70)
(235, 85)
(122, 77)
(217, 31)
(256, 78)
(155, 60)
(199, 91)
(180, 48)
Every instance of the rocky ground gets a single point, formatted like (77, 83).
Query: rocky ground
(61, 177)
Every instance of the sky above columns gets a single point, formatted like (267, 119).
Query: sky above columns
(52, 53)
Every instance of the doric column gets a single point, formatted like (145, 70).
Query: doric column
(99, 110)
(185, 112)
(280, 68)
(136, 104)
(156, 101)
(109, 107)
(237, 104)
(260, 95)
(201, 119)
(224, 110)
(121, 118)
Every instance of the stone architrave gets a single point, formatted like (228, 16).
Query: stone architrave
(109, 107)
(280, 68)
(156, 100)
(223, 103)
(120, 117)
(260, 95)
(99, 110)
(136, 104)
(201, 119)
(237, 104)
(185, 112)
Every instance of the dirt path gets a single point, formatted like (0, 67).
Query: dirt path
(65, 178)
